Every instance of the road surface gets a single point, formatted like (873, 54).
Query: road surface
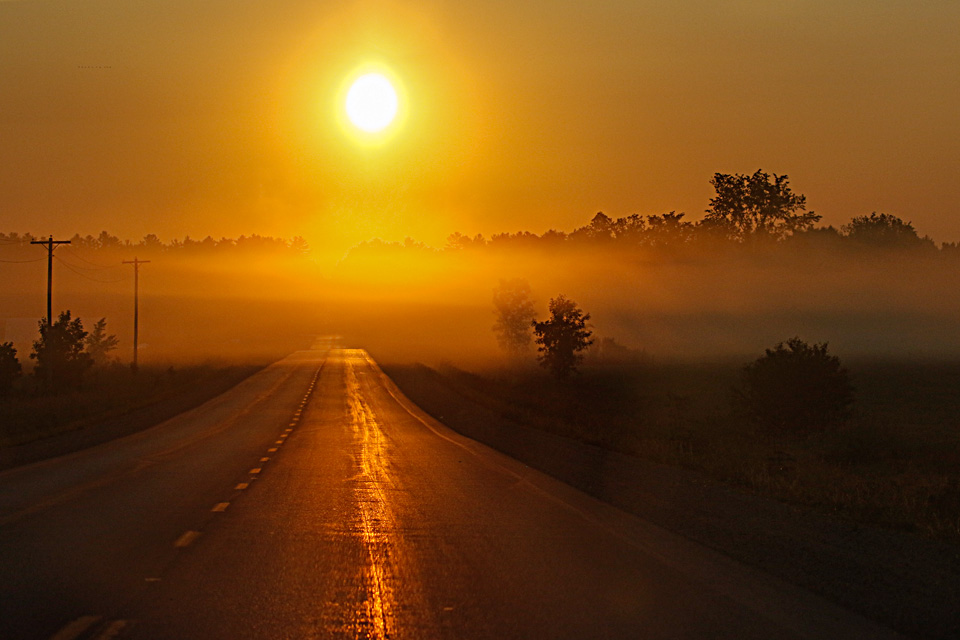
(314, 501)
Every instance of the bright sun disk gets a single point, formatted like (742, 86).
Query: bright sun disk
(372, 103)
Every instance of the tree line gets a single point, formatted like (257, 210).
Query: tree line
(152, 244)
(746, 210)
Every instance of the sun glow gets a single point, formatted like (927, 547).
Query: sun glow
(372, 103)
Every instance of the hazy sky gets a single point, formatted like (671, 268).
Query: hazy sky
(211, 117)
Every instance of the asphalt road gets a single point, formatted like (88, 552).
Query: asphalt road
(314, 501)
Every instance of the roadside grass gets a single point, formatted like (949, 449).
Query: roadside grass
(895, 463)
(110, 392)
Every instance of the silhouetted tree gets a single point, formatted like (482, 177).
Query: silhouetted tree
(10, 368)
(61, 359)
(150, 243)
(631, 230)
(99, 344)
(668, 230)
(601, 228)
(553, 237)
(884, 230)
(457, 241)
(796, 387)
(299, 246)
(107, 241)
(562, 337)
(514, 311)
(757, 206)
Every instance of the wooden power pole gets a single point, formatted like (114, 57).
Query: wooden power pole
(50, 244)
(136, 304)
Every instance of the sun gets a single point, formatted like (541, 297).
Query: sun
(372, 103)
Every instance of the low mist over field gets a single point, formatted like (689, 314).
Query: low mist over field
(660, 285)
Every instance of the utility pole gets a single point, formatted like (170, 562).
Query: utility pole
(50, 244)
(136, 304)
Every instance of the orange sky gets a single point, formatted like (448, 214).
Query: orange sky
(183, 117)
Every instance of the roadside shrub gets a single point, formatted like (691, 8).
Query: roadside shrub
(796, 388)
(60, 355)
(10, 368)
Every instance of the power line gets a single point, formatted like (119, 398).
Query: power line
(74, 268)
(21, 261)
(96, 265)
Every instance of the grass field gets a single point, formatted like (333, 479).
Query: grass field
(896, 463)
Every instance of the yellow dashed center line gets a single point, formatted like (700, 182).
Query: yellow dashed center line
(81, 625)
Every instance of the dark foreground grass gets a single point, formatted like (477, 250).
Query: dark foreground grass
(110, 394)
(896, 463)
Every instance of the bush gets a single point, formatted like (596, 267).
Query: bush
(796, 388)
(9, 367)
(61, 359)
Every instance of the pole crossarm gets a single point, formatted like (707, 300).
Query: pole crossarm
(50, 244)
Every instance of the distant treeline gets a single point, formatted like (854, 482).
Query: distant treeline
(151, 244)
(671, 232)
(749, 211)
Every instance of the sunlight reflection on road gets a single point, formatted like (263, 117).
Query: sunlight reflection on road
(377, 618)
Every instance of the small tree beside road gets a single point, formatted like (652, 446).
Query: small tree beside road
(60, 355)
(562, 337)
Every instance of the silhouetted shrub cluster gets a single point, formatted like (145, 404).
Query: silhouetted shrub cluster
(62, 359)
(10, 368)
(64, 353)
(796, 388)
